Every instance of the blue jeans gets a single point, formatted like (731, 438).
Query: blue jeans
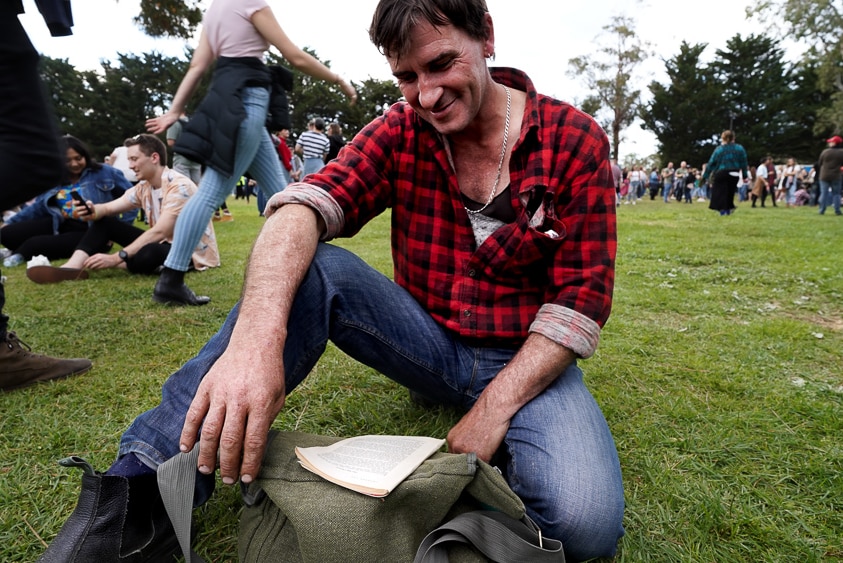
(668, 187)
(312, 165)
(254, 153)
(558, 454)
(830, 194)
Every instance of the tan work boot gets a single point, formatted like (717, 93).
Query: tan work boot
(20, 367)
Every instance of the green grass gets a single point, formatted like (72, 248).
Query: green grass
(719, 372)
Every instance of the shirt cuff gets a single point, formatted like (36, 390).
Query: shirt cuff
(317, 199)
(567, 328)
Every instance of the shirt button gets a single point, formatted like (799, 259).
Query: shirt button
(467, 313)
(472, 273)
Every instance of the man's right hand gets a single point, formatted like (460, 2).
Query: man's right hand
(234, 406)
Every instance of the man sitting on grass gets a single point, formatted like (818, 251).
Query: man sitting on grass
(503, 243)
(161, 193)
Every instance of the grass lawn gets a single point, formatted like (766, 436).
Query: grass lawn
(719, 372)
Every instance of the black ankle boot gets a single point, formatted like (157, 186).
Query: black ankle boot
(171, 290)
(117, 519)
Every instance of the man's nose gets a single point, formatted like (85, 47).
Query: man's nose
(430, 92)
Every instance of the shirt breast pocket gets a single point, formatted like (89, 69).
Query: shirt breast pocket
(533, 247)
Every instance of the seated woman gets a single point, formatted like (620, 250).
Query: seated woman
(47, 226)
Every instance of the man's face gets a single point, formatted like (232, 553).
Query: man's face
(443, 76)
(144, 167)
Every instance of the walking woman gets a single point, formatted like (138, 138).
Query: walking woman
(726, 165)
(228, 131)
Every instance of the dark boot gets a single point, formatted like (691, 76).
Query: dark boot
(19, 367)
(171, 290)
(117, 519)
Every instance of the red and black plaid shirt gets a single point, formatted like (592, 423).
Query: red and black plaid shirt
(558, 256)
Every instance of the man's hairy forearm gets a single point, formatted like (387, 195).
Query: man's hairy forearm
(279, 261)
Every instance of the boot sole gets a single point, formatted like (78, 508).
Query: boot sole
(175, 302)
(45, 379)
(51, 274)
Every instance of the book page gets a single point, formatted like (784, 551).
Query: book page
(370, 464)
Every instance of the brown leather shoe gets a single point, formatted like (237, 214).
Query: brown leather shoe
(51, 274)
(20, 367)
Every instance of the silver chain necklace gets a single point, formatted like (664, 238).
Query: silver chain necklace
(503, 155)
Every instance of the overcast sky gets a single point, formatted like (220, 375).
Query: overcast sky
(537, 36)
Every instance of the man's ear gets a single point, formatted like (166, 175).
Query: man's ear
(490, 34)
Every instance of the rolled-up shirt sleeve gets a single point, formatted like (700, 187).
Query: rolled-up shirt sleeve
(319, 200)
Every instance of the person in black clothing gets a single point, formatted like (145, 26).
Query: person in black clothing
(30, 163)
(336, 139)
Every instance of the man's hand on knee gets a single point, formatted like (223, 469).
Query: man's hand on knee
(234, 407)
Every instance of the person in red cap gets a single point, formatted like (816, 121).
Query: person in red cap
(831, 179)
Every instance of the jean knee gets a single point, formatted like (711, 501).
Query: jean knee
(587, 529)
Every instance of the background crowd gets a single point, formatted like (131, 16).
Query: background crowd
(784, 183)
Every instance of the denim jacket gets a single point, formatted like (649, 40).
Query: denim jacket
(98, 186)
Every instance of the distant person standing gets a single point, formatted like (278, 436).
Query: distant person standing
(726, 165)
(227, 133)
(181, 163)
(831, 159)
(759, 188)
(313, 145)
(119, 159)
(336, 139)
(617, 176)
(285, 155)
(191, 168)
(668, 173)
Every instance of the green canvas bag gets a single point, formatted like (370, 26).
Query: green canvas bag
(452, 508)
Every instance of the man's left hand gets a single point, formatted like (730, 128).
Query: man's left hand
(480, 431)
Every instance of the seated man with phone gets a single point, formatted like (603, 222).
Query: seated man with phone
(161, 193)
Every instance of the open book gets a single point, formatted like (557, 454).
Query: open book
(372, 465)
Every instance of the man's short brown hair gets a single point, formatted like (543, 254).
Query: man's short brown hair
(395, 19)
(148, 144)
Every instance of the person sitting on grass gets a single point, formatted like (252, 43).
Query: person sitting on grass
(48, 226)
(161, 193)
(503, 246)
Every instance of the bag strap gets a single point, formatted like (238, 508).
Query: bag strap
(499, 537)
(176, 483)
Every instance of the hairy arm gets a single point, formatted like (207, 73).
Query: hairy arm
(536, 365)
(235, 406)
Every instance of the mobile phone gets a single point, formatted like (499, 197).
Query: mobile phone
(81, 201)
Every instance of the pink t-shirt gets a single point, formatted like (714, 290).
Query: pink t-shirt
(229, 29)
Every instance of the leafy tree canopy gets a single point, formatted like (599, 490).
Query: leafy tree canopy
(608, 74)
(104, 107)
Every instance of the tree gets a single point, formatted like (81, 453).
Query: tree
(169, 18)
(129, 91)
(681, 113)
(817, 24)
(614, 101)
(807, 106)
(312, 98)
(756, 81)
(68, 91)
(103, 108)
